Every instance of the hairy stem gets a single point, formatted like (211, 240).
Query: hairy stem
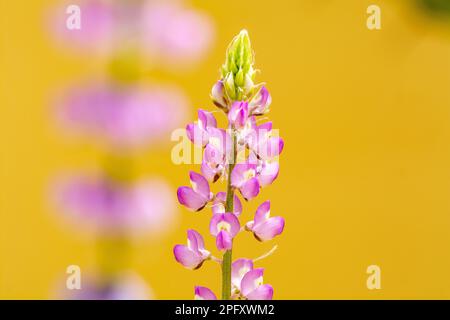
(227, 256)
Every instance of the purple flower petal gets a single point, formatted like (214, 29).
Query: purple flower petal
(242, 172)
(217, 95)
(224, 241)
(197, 136)
(200, 185)
(203, 293)
(263, 292)
(268, 173)
(262, 213)
(252, 280)
(195, 240)
(207, 119)
(190, 199)
(261, 102)
(269, 229)
(188, 258)
(238, 269)
(250, 189)
(224, 221)
(238, 114)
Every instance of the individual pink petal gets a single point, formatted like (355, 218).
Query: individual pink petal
(224, 241)
(200, 185)
(224, 221)
(268, 173)
(191, 199)
(238, 114)
(242, 172)
(195, 240)
(238, 269)
(203, 293)
(261, 102)
(206, 119)
(188, 258)
(263, 292)
(217, 95)
(234, 223)
(252, 280)
(262, 213)
(269, 229)
(237, 206)
(197, 136)
(250, 189)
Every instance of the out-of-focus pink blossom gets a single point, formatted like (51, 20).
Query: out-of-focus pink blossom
(175, 34)
(99, 204)
(166, 32)
(97, 28)
(125, 286)
(123, 116)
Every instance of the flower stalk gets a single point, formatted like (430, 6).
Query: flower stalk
(227, 256)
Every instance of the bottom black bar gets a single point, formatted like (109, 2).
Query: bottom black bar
(187, 309)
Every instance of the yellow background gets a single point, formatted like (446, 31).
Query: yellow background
(365, 174)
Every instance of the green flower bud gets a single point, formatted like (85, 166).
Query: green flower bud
(237, 71)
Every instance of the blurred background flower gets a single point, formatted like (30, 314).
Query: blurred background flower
(124, 114)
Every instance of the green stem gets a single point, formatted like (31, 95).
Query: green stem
(227, 256)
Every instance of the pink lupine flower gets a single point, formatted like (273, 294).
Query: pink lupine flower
(198, 196)
(219, 204)
(260, 103)
(100, 204)
(263, 226)
(245, 156)
(267, 172)
(122, 116)
(198, 132)
(218, 95)
(260, 139)
(213, 163)
(194, 254)
(244, 177)
(224, 226)
(252, 287)
(203, 293)
(238, 114)
(239, 268)
(174, 34)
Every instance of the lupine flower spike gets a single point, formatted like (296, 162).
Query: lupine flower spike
(242, 102)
